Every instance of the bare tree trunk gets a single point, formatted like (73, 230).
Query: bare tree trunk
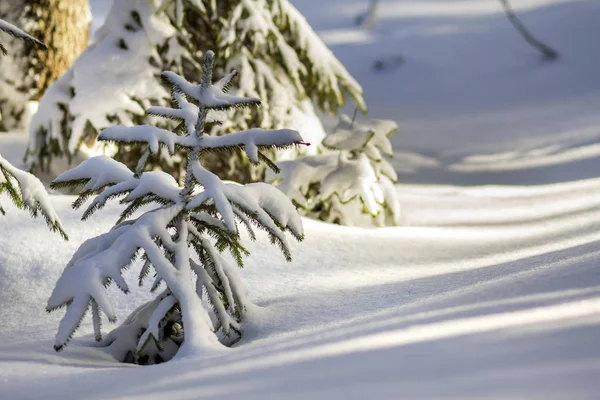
(546, 50)
(26, 73)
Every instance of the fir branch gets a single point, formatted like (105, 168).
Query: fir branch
(144, 271)
(100, 201)
(275, 236)
(245, 221)
(270, 164)
(27, 192)
(156, 284)
(97, 321)
(81, 307)
(134, 206)
(19, 34)
(226, 83)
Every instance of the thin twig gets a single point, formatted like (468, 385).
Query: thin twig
(353, 117)
(548, 52)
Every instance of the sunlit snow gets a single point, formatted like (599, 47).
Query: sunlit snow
(490, 288)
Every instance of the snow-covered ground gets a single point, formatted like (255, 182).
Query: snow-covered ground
(484, 292)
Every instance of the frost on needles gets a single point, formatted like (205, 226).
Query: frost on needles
(180, 236)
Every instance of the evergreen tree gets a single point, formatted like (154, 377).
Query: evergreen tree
(279, 58)
(199, 217)
(27, 72)
(351, 182)
(24, 189)
(122, 67)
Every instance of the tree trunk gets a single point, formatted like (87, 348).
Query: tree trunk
(26, 73)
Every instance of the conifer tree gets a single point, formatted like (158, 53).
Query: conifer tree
(279, 57)
(24, 189)
(27, 71)
(181, 233)
(351, 182)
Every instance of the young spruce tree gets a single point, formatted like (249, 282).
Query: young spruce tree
(180, 234)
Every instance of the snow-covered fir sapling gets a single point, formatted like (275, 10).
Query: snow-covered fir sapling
(24, 189)
(351, 182)
(180, 235)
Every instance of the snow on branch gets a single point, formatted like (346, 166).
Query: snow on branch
(331, 72)
(351, 179)
(105, 258)
(267, 206)
(19, 34)
(159, 186)
(253, 140)
(146, 134)
(262, 196)
(95, 173)
(186, 112)
(214, 190)
(350, 135)
(27, 192)
(179, 8)
(211, 96)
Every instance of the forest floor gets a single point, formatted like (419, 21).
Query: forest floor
(489, 289)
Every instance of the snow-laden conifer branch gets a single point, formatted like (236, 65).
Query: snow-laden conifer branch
(303, 60)
(251, 140)
(332, 76)
(200, 216)
(100, 261)
(19, 34)
(27, 192)
(352, 178)
(353, 136)
(212, 97)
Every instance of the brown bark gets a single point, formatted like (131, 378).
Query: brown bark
(64, 26)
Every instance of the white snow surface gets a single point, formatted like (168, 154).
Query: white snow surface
(489, 290)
